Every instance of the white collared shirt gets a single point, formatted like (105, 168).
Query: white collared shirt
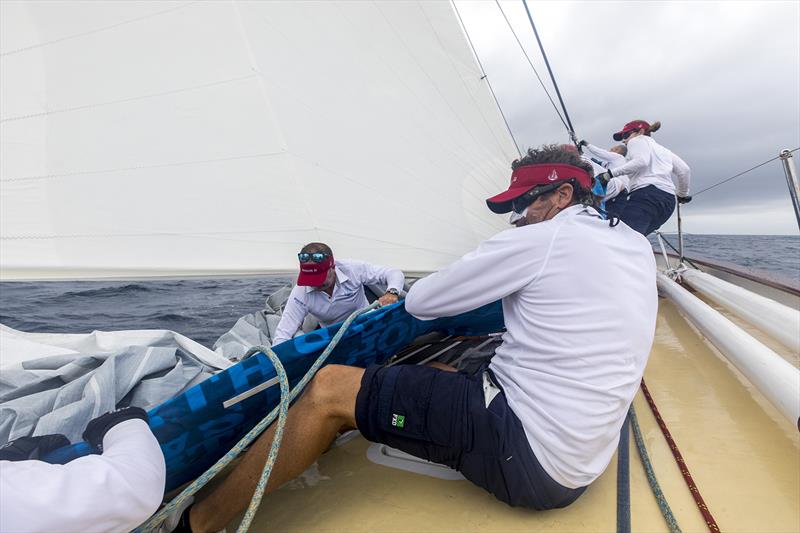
(579, 304)
(348, 296)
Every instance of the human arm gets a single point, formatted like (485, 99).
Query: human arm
(616, 186)
(612, 158)
(115, 491)
(392, 278)
(292, 317)
(637, 159)
(682, 174)
(499, 267)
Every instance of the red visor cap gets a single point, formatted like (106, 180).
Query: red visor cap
(526, 178)
(314, 274)
(631, 126)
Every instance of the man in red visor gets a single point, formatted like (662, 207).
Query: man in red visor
(330, 290)
(539, 422)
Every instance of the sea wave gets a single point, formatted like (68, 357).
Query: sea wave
(110, 292)
(204, 309)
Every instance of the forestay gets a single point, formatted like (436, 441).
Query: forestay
(194, 138)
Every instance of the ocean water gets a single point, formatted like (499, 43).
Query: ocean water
(778, 255)
(204, 309)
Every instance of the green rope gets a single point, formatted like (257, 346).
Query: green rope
(651, 475)
(280, 411)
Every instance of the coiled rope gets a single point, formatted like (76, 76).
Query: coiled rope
(666, 511)
(280, 411)
(687, 476)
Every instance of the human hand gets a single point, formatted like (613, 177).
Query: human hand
(27, 448)
(604, 178)
(388, 299)
(684, 199)
(97, 428)
(583, 143)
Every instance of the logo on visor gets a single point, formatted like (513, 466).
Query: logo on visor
(553, 175)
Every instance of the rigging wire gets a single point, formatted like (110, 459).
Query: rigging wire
(676, 250)
(552, 76)
(555, 107)
(741, 173)
(486, 77)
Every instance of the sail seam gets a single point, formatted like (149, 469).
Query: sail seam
(436, 88)
(127, 100)
(486, 77)
(462, 156)
(251, 58)
(410, 206)
(140, 167)
(96, 30)
(147, 234)
(464, 83)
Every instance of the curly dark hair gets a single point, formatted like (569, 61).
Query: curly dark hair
(554, 153)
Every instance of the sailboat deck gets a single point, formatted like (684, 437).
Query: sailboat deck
(743, 455)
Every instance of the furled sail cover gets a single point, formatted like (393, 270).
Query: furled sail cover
(191, 138)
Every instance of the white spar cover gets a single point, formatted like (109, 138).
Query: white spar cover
(180, 138)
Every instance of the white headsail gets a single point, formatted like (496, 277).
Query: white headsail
(191, 138)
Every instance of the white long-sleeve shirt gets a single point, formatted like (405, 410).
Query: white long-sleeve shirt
(348, 296)
(579, 303)
(610, 160)
(115, 491)
(649, 163)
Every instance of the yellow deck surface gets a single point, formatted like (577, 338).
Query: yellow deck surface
(744, 456)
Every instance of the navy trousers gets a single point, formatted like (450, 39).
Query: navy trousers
(647, 209)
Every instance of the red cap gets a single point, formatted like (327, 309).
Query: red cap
(526, 178)
(631, 126)
(314, 274)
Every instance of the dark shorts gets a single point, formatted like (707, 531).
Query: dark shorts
(647, 209)
(616, 205)
(442, 417)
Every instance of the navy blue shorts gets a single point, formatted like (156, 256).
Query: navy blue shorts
(647, 209)
(616, 205)
(442, 417)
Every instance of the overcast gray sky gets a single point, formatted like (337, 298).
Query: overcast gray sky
(722, 77)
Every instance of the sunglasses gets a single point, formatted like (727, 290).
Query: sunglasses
(628, 134)
(316, 257)
(520, 203)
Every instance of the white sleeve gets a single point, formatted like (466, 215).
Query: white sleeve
(498, 267)
(292, 317)
(612, 158)
(638, 158)
(115, 491)
(616, 186)
(371, 274)
(682, 175)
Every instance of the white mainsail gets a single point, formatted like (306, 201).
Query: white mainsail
(193, 138)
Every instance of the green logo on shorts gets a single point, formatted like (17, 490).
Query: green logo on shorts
(398, 420)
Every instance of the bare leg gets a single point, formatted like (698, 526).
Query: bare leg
(327, 404)
(442, 366)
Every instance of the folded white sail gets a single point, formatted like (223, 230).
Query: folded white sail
(179, 138)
